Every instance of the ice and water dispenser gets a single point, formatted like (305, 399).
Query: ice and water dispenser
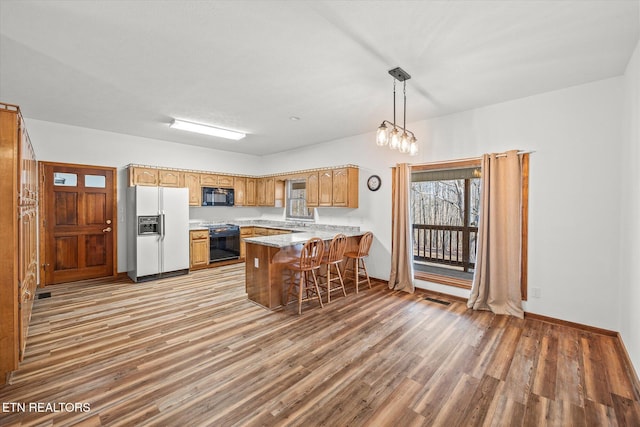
(149, 224)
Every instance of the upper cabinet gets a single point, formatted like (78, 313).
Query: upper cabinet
(143, 176)
(240, 188)
(345, 187)
(211, 180)
(225, 181)
(208, 180)
(325, 188)
(170, 178)
(265, 191)
(312, 189)
(250, 194)
(333, 188)
(192, 182)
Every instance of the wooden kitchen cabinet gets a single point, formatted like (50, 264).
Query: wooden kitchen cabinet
(260, 231)
(312, 189)
(325, 188)
(240, 188)
(192, 182)
(170, 178)
(208, 180)
(143, 176)
(199, 249)
(244, 232)
(250, 193)
(276, 231)
(18, 233)
(265, 191)
(345, 188)
(270, 191)
(225, 181)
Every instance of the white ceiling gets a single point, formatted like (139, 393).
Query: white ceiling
(131, 66)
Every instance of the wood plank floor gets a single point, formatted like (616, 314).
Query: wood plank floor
(193, 350)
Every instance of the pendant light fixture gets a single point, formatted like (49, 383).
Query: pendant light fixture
(404, 141)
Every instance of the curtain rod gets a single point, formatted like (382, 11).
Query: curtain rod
(520, 152)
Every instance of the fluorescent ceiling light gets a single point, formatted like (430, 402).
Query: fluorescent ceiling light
(207, 130)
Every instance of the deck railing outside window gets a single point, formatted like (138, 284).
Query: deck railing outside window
(448, 245)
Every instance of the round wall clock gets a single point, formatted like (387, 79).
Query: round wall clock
(374, 182)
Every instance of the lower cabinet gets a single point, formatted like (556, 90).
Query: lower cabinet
(245, 232)
(199, 249)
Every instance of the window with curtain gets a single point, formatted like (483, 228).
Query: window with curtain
(445, 202)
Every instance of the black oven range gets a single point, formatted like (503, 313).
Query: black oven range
(224, 242)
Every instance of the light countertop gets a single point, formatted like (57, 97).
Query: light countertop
(297, 238)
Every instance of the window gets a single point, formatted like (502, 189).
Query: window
(297, 200)
(445, 201)
(95, 181)
(65, 179)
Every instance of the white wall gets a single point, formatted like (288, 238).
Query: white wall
(55, 142)
(630, 212)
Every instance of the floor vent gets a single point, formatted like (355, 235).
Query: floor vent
(439, 301)
(43, 295)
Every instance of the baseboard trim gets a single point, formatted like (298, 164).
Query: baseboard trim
(580, 326)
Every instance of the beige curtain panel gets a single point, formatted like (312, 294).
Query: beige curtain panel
(401, 277)
(496, 282)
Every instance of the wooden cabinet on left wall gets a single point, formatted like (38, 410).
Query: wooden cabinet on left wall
(18, 232)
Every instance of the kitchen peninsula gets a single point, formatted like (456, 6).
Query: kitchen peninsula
(266, 257)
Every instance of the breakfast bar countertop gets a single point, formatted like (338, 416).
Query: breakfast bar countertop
(296, 238)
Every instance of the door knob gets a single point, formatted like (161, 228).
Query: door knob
(108, 221)
(106, 230)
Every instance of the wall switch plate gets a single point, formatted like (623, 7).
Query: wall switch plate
(256, 263)
(535, 292)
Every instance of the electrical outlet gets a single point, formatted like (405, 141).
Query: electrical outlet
(256, 263)
(536, 292)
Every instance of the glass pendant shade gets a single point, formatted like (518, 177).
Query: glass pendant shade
(394, 139)
(382, 135)
(404, 143)
(413, 146)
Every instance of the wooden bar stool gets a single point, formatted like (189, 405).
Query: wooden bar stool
(305, 268)
(358, 259)
(334, 259)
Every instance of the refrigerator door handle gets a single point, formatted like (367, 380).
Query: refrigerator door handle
(160, 226)
(163, 225)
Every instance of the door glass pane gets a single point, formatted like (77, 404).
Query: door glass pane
(65, 179)
(95, 181)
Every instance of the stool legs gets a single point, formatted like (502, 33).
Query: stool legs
(358, 263)
(305, 284)
(329, 280)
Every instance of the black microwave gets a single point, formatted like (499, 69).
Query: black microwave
(217, 196)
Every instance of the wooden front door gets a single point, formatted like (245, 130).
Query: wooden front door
(79, 222)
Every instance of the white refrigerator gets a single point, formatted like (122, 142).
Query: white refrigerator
(158, 232)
